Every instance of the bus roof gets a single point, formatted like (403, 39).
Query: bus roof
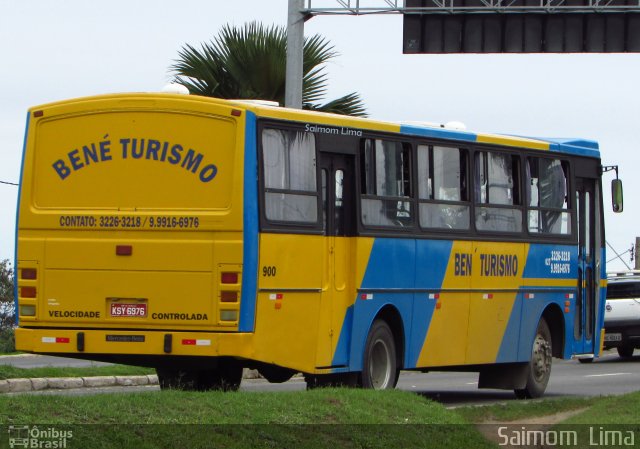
(576, 146)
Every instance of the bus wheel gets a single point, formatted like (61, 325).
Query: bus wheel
(379, 370)
(625, 351)
(275, 374)
(540, 364)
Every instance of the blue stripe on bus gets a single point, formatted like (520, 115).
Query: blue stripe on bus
(15, 249)
(574, 149)
(250, 228)
(439, 133)
(546, 261)
(434, 255)
(392, 267)
(509, 347)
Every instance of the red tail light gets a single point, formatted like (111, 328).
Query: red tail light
(229, 278)
(29, 273)
(28, 292)
(229, 296)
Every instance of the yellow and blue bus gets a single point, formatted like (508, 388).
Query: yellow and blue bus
(202, 236)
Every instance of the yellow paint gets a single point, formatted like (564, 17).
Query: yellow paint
(85, 192)
(510, 141)
(489, 307)
(220, 344)
(285, 335)
(317, 279)
(446, 341)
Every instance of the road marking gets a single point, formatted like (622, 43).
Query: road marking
(609, 374)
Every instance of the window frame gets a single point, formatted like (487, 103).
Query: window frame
(286, 226)
(355, 146)
(361, 172)
(570, 197)
(517, 184)
(465, 153)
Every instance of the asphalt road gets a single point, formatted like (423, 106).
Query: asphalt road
(609, 375)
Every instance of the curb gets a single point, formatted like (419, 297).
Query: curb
(68, 383)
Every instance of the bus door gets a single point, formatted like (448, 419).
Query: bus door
(585, 310)
(337, 180)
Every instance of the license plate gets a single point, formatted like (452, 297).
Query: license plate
(613, 337)
(124, 310)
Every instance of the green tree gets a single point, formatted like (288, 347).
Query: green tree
(7, 308)
(250, 61)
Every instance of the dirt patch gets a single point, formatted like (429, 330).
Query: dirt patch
(489, 428)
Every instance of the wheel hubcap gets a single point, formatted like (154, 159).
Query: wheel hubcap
(380, 367)
(541, 360)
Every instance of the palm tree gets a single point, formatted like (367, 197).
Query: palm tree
(249, 62)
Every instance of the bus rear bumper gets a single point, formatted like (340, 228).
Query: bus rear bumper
(97, 341)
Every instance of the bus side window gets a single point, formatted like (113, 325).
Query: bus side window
(289, 163)
(547, 197)
(386, 183)
(442, 187)
(497, 193)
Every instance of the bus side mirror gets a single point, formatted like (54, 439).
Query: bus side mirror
(616, 195)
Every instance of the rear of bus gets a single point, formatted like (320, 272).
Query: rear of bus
(130, 229)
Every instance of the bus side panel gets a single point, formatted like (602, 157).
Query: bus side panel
(390, 269)
(439, 330)
(543, 272)
(497, 273)
(290, 297)
(343, 314)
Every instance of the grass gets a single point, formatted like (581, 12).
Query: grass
(357, 418)
(337, 418)
(522, 410)
(612, 410)
(12, 372)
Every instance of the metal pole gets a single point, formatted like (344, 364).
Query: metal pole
(295, 44)
(635, 254)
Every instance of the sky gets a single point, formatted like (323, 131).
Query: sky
(55, 50)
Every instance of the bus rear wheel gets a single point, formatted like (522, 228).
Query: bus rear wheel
(539, 365)
(625, 351)
(380, 367)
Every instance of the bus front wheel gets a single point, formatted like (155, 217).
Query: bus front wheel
(380, 370)
(540, 364)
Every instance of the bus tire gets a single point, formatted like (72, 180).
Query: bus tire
(540, 364)
(275, 374)
(379, 368)
(625, 352)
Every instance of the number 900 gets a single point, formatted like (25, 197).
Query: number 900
(268, 271)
